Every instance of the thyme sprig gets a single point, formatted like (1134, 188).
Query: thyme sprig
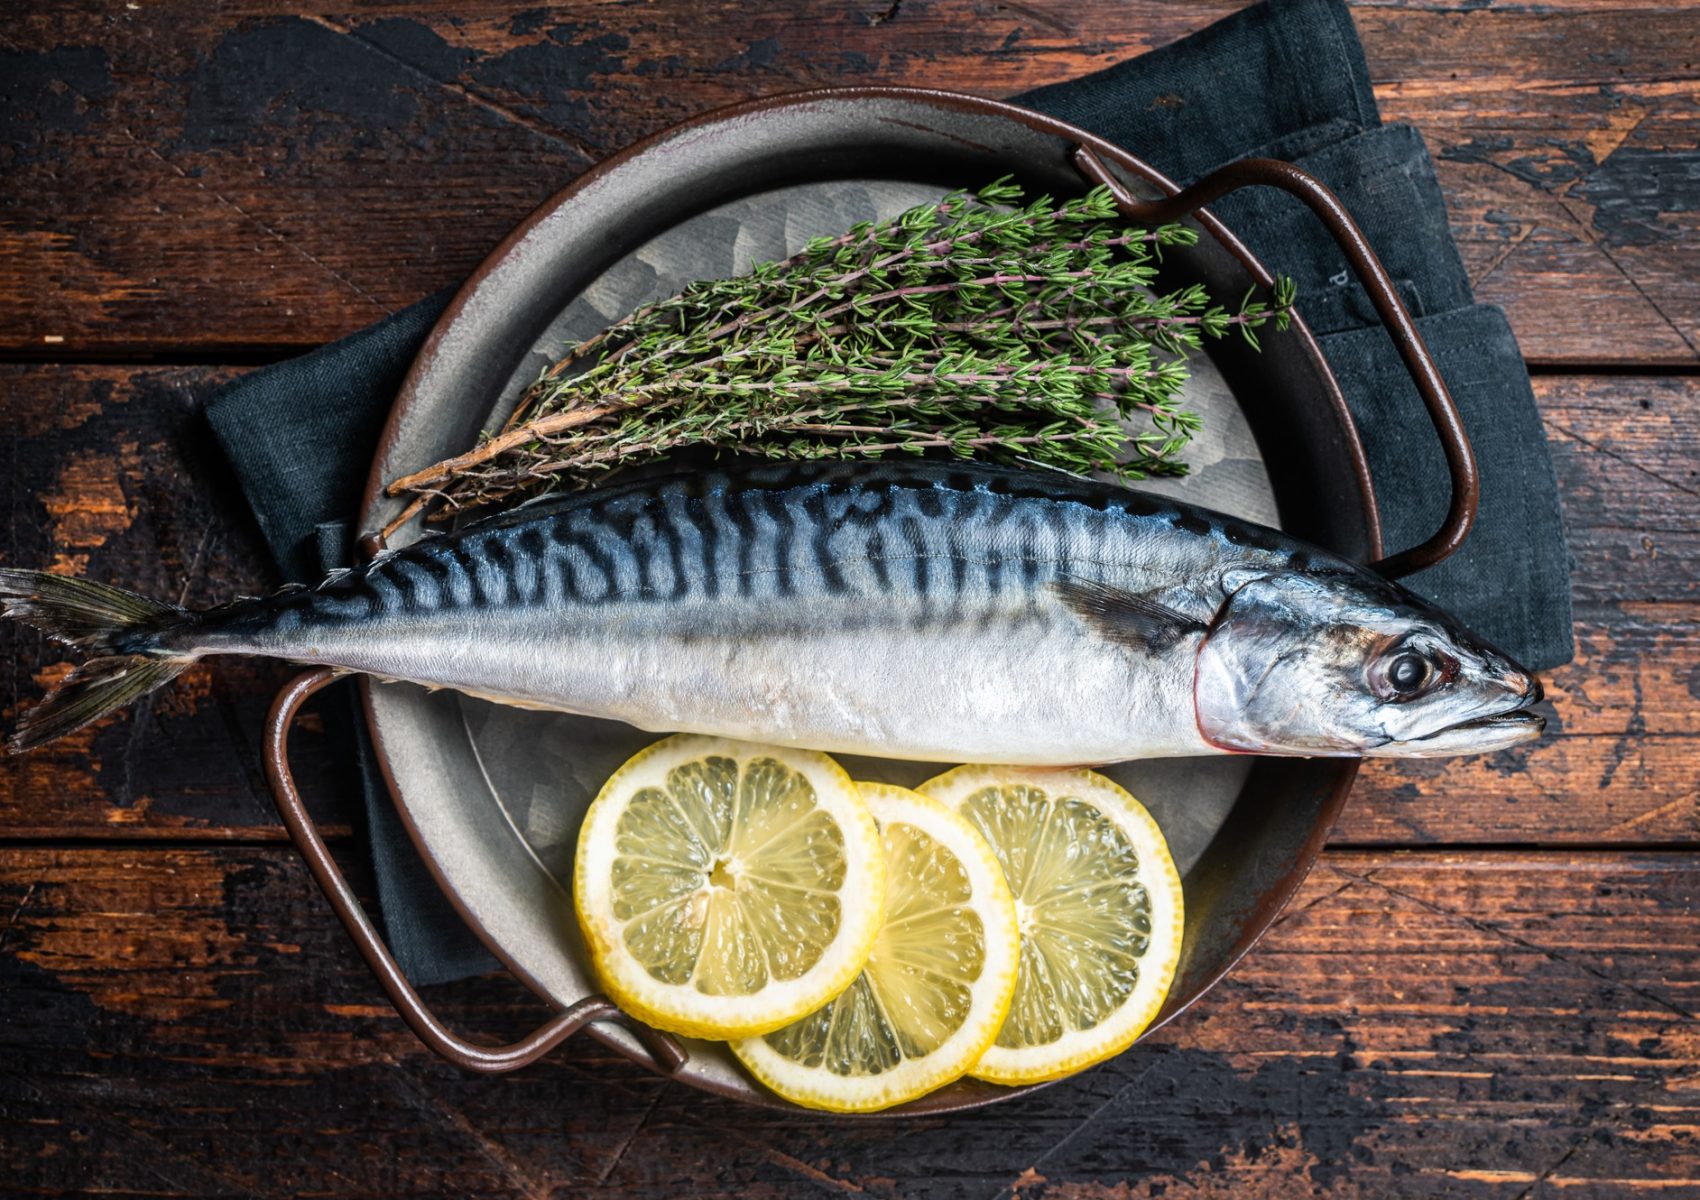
(977, 326)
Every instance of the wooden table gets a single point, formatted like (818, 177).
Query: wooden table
(1487, 988)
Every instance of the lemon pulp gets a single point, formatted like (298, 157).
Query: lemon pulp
(937, 983)
(725, 887)
(1099, 906)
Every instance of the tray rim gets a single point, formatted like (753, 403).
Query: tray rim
(373, 498)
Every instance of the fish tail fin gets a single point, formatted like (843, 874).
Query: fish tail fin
(120, 629)
(97, 687)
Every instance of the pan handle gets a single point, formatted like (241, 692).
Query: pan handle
(1315, 195)
(667, 1054)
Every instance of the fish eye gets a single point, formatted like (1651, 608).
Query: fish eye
(1408, 672)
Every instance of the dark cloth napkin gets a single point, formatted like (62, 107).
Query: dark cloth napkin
(1286, 79)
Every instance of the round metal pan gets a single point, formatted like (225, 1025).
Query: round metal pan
(492, 796)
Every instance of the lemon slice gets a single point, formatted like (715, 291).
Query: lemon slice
(725, 888)
(1099, 903)
(936, 987)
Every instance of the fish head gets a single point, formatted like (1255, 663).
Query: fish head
(1348, 664)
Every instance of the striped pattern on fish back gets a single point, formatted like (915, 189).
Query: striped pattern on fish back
(916, 533)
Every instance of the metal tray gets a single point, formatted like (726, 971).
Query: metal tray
(492, 796)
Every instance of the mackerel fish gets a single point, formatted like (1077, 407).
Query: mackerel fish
(925, 611)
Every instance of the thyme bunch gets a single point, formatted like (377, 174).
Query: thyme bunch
(978, 326)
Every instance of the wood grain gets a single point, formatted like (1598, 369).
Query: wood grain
(113, 475)
(273, 177)
(192, 1022)
(112, 472)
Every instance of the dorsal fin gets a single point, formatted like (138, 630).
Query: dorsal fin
(1126, 617)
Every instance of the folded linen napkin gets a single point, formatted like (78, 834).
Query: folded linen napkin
(1285, 78)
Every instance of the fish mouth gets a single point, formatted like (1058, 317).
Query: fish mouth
(1480, 735)
(1517, 726)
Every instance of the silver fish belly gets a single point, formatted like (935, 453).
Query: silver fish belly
(910, 612)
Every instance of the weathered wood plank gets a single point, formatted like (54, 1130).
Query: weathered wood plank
(111, 473)
(276, 178)
(1627, 455)
(193, 1023)
(1567, 166)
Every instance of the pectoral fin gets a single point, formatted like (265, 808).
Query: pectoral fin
(1126, 618)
